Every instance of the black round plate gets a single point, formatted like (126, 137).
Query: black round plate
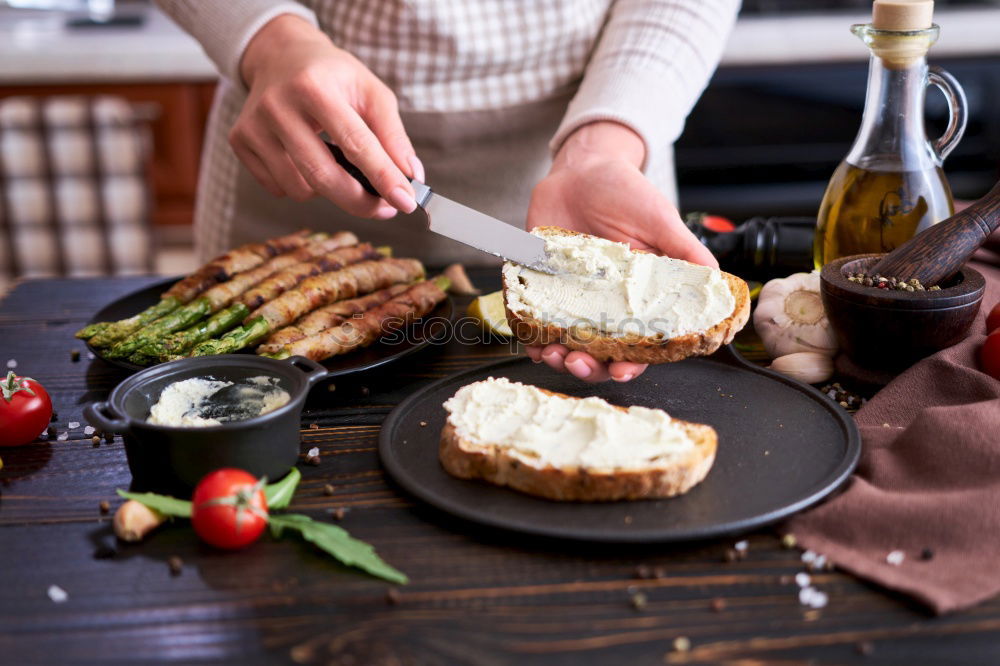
(783, 446)
(428, 329)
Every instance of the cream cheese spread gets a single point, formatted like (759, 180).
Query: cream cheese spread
(605, 286)
(196, 402)
(543, 429)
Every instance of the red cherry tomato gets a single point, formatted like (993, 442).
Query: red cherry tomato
(25, 410)
(229, 509)
(993, 319)
(989, 355)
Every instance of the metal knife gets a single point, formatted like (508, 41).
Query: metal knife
(452, 219)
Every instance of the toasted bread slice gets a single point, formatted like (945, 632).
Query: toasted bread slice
(586, 334)
(659, 457)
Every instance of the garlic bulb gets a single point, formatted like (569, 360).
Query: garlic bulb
(790, 317)
(808, 367)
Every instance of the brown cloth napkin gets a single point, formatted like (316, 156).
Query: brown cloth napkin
(928, 483)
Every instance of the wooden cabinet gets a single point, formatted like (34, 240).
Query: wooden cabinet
(180, 111)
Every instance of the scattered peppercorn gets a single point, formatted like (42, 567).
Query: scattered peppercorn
(175, 564)
(788, 541)
(338, 513)
(104, 506)
(312, 460)
(638, 601)
(96, 440)
(51, 431)
(392, 597)
(864, 648)
(682, 644)
(109, 437)
(365, 391)
(328, 489)
(54, 417)
(74, 355)
(731, 555)
(718, 605)
(847, 399)
(927, 554)
(104, 552)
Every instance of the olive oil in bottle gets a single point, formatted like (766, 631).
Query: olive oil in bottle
(891, 185)
(877, 211)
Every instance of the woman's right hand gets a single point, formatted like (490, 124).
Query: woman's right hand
(300, 84)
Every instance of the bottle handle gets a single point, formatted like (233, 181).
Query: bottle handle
(958, 110)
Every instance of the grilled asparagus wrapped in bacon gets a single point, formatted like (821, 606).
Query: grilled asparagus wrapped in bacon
(221, 295)
(235, 261)
(104, 334)
(417, 301)
(312, 293)
(284, 280)
(320, 290)
(328, 316)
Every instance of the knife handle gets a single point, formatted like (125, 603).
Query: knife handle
(352, 170)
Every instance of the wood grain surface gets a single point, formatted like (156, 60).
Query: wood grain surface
(477, 596)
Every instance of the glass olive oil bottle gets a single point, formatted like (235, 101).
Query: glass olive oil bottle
(891, 185)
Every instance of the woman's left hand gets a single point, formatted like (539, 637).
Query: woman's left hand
(595, 186)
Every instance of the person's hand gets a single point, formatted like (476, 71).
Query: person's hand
(299, 84)
(595, 187)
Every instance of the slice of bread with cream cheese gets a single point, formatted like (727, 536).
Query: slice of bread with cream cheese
(621, 305)
(564, 448)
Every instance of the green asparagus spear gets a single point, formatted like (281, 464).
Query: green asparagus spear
(236, 339)
(176, 320)
(90, 330)
(165, 348)
(112, 332)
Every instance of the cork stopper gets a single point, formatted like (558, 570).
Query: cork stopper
(902, 14)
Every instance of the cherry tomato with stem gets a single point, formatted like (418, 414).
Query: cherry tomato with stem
(25, 410)
(229, 508)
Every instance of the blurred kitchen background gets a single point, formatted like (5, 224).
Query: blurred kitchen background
(779, 115)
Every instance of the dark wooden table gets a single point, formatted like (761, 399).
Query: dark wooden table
(477, 596)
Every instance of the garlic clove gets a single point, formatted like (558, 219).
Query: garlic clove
(807, 367)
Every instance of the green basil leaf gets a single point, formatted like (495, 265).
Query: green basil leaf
(279, 494)
(168, 506)
(338, 543)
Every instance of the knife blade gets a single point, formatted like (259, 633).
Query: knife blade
(466, 225)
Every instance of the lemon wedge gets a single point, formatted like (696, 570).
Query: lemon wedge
(489, 310)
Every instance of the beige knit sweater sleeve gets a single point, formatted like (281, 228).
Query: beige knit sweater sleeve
(650, 65)
(225, 27)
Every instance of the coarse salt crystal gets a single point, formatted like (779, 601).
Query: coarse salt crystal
(73, 424)
(63, 436)
(11, 364)
(89, 430)
(895, 558)
(741, 545)
(808, 556)
(90, 356)
(802, 579)
(57, 594)
(314, 451)
(810, 596)
(819, 562)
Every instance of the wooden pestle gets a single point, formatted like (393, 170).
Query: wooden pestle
(938, 251)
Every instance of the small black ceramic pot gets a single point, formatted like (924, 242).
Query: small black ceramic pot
(173, 459)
